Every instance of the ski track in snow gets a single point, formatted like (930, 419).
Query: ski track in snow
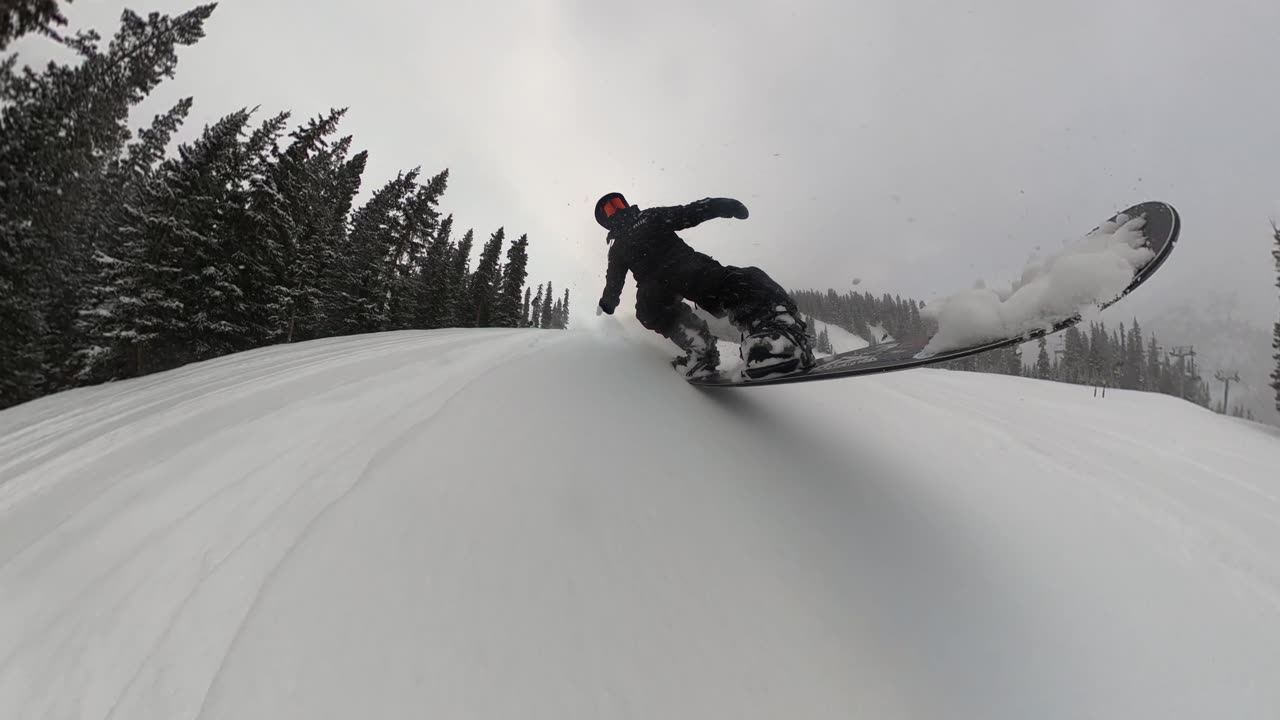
(295, 501)
(515, 523)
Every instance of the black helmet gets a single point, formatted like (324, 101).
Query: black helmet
(608, 206)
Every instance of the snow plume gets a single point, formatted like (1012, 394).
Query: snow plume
(1087, 273)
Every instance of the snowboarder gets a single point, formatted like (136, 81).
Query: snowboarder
(668, 271)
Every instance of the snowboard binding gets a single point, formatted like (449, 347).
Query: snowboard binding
(776, 344)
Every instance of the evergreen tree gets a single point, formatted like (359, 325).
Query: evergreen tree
(862, 329)
(405, 265)
(482, 289)
(1043, 369)
(19, 17)
(63, 129)
(233, 279)
(301, 203)
(91, 353)
(548, 309)
(917, 323)
(509, 310)
(535, 313)
(1152, 379)
(405, 245)
(1133, 377)
(1275, 343)
(1073, 355)
(116, 261)
(171, 295)
(433, 305)
(365, 277)
(557, 316)
(1013, 361)
(460, 308)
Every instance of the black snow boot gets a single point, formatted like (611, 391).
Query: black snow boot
(776, 342)
(702, 357)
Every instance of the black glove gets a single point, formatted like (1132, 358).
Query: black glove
(607, 305)
(729, 207)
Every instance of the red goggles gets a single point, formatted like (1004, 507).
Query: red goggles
(613, 206)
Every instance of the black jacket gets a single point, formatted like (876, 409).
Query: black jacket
(645, 243)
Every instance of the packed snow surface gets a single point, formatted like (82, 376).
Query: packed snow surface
(548, 524)
(1090, 271)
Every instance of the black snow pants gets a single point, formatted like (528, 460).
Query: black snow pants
(742, 294)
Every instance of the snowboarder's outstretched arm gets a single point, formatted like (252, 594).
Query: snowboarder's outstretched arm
(615, 278)
(680, 217)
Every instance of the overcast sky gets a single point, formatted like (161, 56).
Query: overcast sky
(916, 144)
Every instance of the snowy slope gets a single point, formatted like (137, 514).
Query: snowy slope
(879, 334)
(841, 340)
(540, 524)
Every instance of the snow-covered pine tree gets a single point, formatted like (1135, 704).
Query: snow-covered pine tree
(459, 280)
(917, 328)
(249, 260)
(508, 312)
(366, 267)
(555, 315)
(1275, 343)
(481, 287)
(171, 295)
(228, 283)
(433, 301)
(811, 329)
(1152, 375)
(564, 311)
(62, 127)
(1075, 356)
(1129, 370)
(92, 355)
(422, 220)
(301, 203)
(19, 17)
(268, 218)
(535, 312)
(524, 308)
(862, 329)
(824, 341)
(1043, 369)
(1095, 361)
(548, 309)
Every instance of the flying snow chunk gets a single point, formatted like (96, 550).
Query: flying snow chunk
(1088, 272)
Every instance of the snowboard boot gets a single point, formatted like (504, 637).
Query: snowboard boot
(776, 343)
(702, 357)
(698, 364)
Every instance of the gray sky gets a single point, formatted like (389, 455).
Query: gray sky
(916, 144)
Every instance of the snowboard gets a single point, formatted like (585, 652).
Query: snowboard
(1160, 234)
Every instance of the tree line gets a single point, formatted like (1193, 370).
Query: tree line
(118, 258)
(859, 312)
(1117, 358)
(1275, 343)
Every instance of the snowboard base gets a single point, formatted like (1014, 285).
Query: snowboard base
(1161, 234)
